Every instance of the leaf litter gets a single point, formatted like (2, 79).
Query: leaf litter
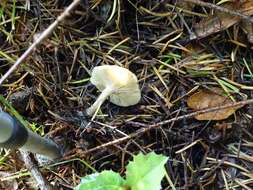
(220, 21)
(151, 39)
(211, 98)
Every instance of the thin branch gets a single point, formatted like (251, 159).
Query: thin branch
(40, 180)
(42, 37)
(222, 9)
(147, 127)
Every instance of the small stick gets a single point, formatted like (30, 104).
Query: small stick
(147, 127)
(40, 180)
(222, 9)
(41, 37)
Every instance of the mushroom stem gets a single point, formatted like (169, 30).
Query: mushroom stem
(102, 97)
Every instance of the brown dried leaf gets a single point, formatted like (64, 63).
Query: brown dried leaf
(221, 21)
(208, 99)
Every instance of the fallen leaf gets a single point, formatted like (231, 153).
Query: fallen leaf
(221, 21)
(208, 99)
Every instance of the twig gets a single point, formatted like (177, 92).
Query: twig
(42, 37)
(222, 9)
(41, 182)
(147, 127)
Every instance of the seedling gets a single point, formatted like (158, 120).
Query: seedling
(145, 172)
(118, 83)
(14, 136)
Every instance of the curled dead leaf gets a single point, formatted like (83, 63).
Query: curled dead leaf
(208, 99)
(221, 21)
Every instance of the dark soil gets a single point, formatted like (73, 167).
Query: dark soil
(47, 89)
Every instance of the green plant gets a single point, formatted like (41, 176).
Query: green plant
(145, 172)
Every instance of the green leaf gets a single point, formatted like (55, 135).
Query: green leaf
(145, 172)
(106, 180)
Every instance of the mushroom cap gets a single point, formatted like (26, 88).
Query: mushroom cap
(126, 91)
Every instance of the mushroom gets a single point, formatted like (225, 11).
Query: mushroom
(116, 82)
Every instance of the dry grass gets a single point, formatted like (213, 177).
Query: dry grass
(52, 89)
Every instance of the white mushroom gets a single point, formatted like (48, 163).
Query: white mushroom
(118, 83)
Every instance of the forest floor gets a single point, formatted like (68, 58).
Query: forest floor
(182, 52)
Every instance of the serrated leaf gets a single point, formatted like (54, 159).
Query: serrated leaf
(106, 180)
(145, 172)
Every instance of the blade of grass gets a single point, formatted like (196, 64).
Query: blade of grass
(13, 111)
(247, 66)
(13, 13)
(113, 11)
